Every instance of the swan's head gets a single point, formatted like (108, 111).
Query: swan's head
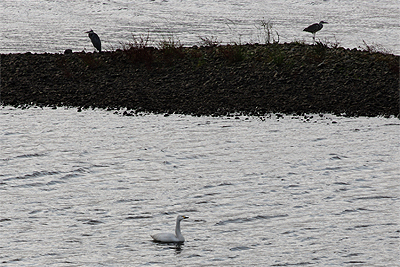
(182, 217)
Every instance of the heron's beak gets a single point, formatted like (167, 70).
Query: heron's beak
(185, 217)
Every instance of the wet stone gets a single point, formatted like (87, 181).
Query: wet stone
(217, 80)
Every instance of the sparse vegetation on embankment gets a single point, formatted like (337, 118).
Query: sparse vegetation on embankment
(211, 80)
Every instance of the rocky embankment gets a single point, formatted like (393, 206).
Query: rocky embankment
(217, 80)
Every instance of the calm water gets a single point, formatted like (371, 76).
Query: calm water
(88, 188)
(56, 25)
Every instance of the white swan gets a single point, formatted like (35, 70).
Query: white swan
(169, 237)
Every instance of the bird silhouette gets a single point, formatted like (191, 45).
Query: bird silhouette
(95, 39)
(314, 28)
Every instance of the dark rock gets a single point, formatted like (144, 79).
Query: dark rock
(218, 80)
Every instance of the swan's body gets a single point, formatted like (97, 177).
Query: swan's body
(169, 237)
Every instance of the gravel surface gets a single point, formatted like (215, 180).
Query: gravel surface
(216, 80)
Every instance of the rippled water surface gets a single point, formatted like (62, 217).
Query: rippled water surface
(56, 25)
(88, 188)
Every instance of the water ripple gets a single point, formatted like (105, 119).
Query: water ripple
(244, 220)
(260, 192)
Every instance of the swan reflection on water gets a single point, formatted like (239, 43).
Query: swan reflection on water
(178, 247)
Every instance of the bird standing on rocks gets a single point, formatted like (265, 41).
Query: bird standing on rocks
(314, 28)
(95, 40)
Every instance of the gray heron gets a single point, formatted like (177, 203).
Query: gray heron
(95, 39)
(314, 28)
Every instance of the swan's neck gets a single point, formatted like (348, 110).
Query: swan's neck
(178, 229)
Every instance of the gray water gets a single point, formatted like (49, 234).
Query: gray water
(88, 188)
(55, 25)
